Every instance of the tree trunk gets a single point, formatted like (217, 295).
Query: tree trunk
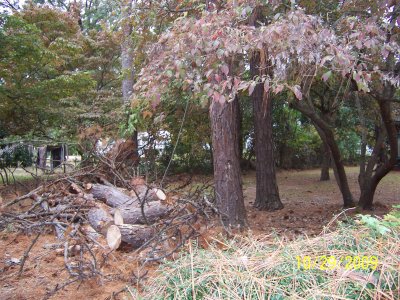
(227, 175)
(127, 67)
(267, 194)
(101, 216)
(371, 179)
(127, 52)
(367, 194)
(326, 162)
(384, 100)
(341, 172)
(327, 136)
(239, 130)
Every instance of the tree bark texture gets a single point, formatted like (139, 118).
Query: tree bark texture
(376, 170)
(267, 194)
(115, 198)
(100, 219)
(227, 174)
(149, 214)
(136, 235)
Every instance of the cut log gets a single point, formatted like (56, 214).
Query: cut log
(113, 237)
(152, 210)
(115, 198)
(75, 189)
(112, 196)
(135, 235)
(144, 192)
(100, 219)
(118, 219)
(160, 194)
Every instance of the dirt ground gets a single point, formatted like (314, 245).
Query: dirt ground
(309, 206)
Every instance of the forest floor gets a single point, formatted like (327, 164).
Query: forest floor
(309, 206)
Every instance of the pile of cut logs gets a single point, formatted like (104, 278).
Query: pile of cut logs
(126, 218)
(122, 216)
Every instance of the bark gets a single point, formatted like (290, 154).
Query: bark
(115, 198)
(326, 162)
(151, 213)
(227, 174)
(100, 219)
(375, 171)
(136, 235)
(267, 194)
(112, 196)
(239, 130)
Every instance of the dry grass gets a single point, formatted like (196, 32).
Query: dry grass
(267, 268)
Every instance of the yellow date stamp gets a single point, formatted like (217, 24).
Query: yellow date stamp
(331, 262)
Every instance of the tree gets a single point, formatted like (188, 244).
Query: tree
(267, 194)
(225, 132)
(302, 49)
(227, 173)
(39, 73)
(383, 157)
(372, 42)
(326, 162)
(128, 69)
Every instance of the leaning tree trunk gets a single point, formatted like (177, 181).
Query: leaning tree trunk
(326, 162)
(326, 134)
(227, 175)
(267, 194)
(127, 68)
(340, 171)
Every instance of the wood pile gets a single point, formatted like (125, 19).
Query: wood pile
(124, 217)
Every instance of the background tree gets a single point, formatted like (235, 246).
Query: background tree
(40, 75)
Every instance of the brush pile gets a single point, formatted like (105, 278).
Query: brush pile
(89, 215)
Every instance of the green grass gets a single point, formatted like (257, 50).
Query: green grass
(267, 268)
